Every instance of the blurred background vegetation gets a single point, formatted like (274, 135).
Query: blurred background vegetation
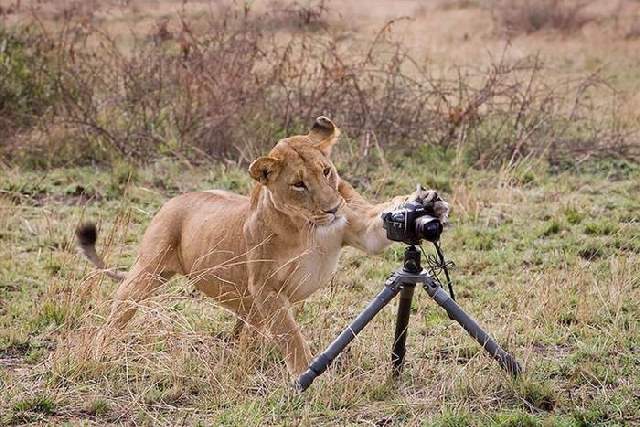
(94, 82)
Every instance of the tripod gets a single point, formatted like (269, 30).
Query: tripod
(403, 282)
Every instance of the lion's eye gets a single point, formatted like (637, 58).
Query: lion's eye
(299, 185)
(326, 171)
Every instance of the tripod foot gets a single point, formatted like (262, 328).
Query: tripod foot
(509, 364)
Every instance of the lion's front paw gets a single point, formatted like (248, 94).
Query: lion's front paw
(432, 199)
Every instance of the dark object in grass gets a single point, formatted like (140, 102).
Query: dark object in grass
(590, 253)
(87, 235)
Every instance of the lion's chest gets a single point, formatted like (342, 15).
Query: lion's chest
(313, 267)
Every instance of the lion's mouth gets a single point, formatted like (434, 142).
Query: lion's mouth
(323, 219)
(330, 217)
(328, 220)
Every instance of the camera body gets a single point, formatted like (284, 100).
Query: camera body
(411, 223)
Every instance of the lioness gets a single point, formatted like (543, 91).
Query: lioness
(257, 255)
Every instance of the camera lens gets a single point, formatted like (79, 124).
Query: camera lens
(428, 228)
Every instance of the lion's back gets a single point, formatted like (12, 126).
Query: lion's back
(195, 222)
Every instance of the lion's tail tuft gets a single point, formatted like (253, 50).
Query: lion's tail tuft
(87, 235)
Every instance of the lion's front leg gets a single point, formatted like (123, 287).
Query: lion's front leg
(364, 219)
(365, 230)
(275, 310)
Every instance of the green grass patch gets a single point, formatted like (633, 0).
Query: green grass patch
(40, 403)
(600, 228)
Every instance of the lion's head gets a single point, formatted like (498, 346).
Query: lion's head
(300, 175)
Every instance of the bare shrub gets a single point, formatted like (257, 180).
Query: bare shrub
(26, 84)
(633, 33)
(296, 16)
(518, 110)
(529, 16)
(228, 91)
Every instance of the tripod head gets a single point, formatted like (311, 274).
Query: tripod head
(412, 263)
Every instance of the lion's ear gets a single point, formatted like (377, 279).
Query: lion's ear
(324, 134)
(261, 168)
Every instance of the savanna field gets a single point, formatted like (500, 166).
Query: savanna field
(523, 115)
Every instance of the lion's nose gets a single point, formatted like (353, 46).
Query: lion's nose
(333, 211)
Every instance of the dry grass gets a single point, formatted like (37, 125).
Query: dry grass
(547, 263)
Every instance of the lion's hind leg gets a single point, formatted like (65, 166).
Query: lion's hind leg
(145, 277)
(140, 283)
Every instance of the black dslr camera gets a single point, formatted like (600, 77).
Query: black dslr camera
(411, 223)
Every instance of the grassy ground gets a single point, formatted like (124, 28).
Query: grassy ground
(547, 260)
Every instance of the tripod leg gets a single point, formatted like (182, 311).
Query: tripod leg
(506, 361)
(402, 321)
(322, 361)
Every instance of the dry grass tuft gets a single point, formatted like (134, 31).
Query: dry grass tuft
(529, 16)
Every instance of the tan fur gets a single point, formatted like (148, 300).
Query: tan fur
(258, 255)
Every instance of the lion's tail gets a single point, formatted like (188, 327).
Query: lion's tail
(87, 236)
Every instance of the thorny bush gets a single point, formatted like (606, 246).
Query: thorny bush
(231, 88)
